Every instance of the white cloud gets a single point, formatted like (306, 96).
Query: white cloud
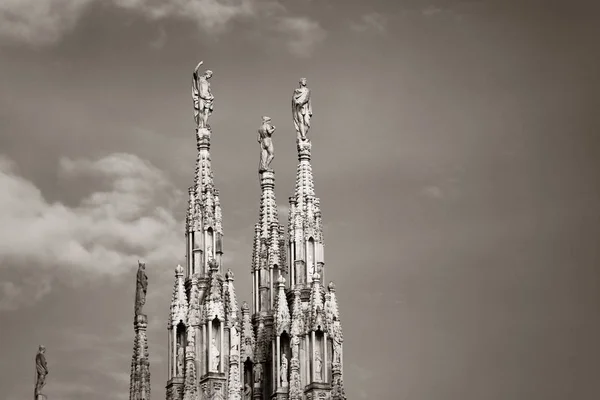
(39, 22)
(372, 22)
(27, 292)
(43, 22)
(303, 34)
(130, 218)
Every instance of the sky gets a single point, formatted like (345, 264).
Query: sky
(455, 153)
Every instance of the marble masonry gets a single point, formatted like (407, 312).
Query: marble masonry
(286, 343)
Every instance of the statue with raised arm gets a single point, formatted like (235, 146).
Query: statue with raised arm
(267, 152)
(301, 110)
(141, 288)
(41, 368)
(202, 96)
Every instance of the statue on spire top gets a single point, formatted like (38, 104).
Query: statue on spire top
(203, 97)
(301, 110)
(267, 152)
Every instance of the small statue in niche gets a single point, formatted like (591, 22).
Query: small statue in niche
(318, 366)
(295, 346)
(215, 356)
(41, 368)
(248, 347)
(284, 370)
(247, 392)
(257, 373)
(235, 340)
(180, 360)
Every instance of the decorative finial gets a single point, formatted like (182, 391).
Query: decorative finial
(316, 277)
(229, 275)
(203, 100)
(245, 307)
(267, 151)
(178, 270)
(331, 286)
(301, 110)
(280, 281)
(213, 265)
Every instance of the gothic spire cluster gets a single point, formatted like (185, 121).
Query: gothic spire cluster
(287, 344)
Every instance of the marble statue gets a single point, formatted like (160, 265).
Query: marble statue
(295, 346)
(301, 110)
(267, 152)
(214, 352)
(257, 373)
(247, 392)
(318, 366)
(141, 288)
(180, 360)
(41, 370)
(337, 344)
(284, 370)
(202, 96)
(248, 347)
(235, 340)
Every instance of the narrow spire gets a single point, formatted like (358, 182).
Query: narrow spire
(266, 260)
(139, 381)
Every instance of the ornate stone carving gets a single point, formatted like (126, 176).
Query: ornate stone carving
(258, 374)
(318, 366)
(247, 392)
(267, 151)
(41, 370)
(301, 110)
(141, 288)
(203, 98)
(180, 360)
(215, 356)
(284, 371)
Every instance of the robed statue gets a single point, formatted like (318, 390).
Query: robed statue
(284, 370)
(202, 96)
(141, 288)
(216, 356)
(267, 152)
(301, 109)
(41, 368)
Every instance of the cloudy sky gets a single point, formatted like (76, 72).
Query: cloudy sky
(455, 150)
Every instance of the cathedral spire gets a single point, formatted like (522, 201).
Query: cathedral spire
(305, 227)
(268, 240)
(139, 384)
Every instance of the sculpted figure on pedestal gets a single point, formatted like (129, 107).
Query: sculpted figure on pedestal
(215, 356)
(267, 152)
(258, 373)
(295, 346)
(202, 96)
(180, 360)
(235, 340)
(318, 366)
(284, 370)
(301, 110)
(141, 288)
(41, 368)
(247, 392)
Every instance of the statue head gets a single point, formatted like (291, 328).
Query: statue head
(302, 81)
(266, 120)
(141, 265)
(208, 74)
(42, 349)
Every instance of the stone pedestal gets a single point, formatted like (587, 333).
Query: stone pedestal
(139, 388)
(175, 388)
(318, 391)
(281, 394)
(213, 386)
